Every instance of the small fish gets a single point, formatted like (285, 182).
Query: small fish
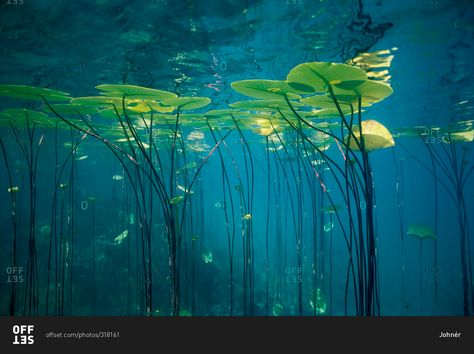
(132, 218)
(247, 217)
(63, 185)
(13, 189)
(117, 177)
(220, 205)
(120, 238)
(238, 187)
(194, 238)
(83, 157)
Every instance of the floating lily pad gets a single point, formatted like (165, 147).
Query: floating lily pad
(97, 101)
(219, 113)
(33, 93)
(134, 107)
(270, 89)
(319, 75)
(186, 103)
(132, 91)
(370, 91)
(20, 117)
(421, 231)
(376, 136)
(264, 105)
(463, 136)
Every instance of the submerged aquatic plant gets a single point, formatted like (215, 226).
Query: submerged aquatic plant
(447, 151)
(344, 90)
(318, 302)
(317, 147)
(421, 232)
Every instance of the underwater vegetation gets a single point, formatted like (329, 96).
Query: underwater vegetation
(305, 138)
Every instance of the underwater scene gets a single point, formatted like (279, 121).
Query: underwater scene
(236, 158)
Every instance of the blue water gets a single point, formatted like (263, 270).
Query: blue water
(92, 234)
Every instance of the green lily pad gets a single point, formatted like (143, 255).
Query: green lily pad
(460, 136)
(21, 112)
(20, 117)
(159, 107)
(134, 106)
(110, 113)
(319, 75)
(186, 103)
(421, 231)
(97, 101)
(218, 113)
(270, 89)
(264, 105)
(326, 102)
(376, 136)
(33, 93)
(327, 113)
(370, 91)
(132, 91)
